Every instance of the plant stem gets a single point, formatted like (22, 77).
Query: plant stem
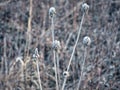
(6, 68)
(40, 86)
(65, 79)
(58, 72)
(52, 28)
(56, 78)
(85, 53)
(25, 85)
(29, 28)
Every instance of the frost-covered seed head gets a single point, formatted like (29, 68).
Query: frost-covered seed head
(85, 7)
(86, 41)
(56, 45)
(52, 12)
(66, 74)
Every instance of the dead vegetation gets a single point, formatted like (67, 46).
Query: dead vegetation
(18, 65)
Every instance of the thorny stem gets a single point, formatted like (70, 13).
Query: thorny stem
(52, 28)
(82, 68)
(65, 79)
(40, 86)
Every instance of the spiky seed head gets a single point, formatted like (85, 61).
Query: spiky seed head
(56, 45)
(52, 12)
(85, 7)
(86, 41)
(66, 74)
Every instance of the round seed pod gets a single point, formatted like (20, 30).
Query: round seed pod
(66, 74)
(85, 7)
(56, 45)
(52, 12)
(86, 41)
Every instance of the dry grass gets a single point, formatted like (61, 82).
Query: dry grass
(101, 69)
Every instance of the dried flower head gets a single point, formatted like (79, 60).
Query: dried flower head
(20, 60)
(36, 54)
(56, 45)
(66, 74)
(52, 12)
(85, 7)
(86, 41)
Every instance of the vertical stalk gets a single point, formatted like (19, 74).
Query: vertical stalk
(56, 78)
(29, 28)
(58, 72)
(52, 28)
(25, 77)
(65, 79)
(40, 86)
(5, 60)
(82, 68)
(6, 68)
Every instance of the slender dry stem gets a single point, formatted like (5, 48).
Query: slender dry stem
(65, 79)
(38, 71)
(5, 58)
(29, 28)
(82, 68)
(58, 72)
(52, 28)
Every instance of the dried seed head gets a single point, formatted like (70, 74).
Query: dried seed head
(20, 60)
(56, 45)
(85, 7)
(36, 54)
(52, 12)
(66, 74)
(86, 41)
